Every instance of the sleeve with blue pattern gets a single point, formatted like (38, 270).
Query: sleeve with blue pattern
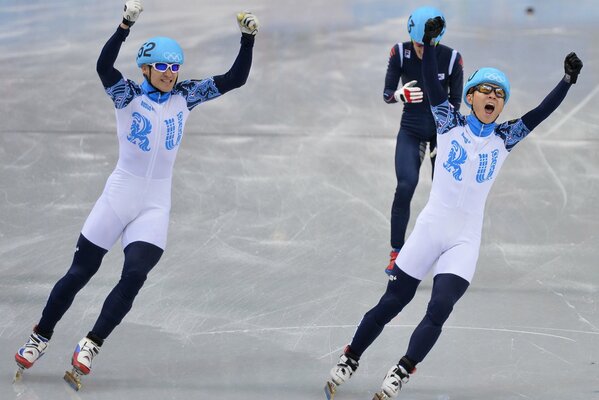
(123, 92)
(447, 117)
(197, 91)
(512, 132)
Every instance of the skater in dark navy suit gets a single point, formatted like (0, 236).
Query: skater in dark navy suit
(135, 204)
(417, 126)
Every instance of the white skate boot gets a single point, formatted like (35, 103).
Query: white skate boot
(84, 353)
(395, 378)
(340, 373)
(29, 353)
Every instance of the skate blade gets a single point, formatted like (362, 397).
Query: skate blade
(18, 375)
(330, 389)
(73, 379)
(380, 396)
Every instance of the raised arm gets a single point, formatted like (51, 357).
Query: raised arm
(105, 65)
(430, 70)
(239, 72)
(572, 67)
(109, 75)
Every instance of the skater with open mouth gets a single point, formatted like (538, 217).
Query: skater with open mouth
(470, 152)
(135, 204)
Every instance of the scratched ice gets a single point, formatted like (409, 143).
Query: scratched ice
(281, 199)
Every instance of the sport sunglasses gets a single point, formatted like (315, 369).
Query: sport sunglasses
(486, 89)
(162, 67)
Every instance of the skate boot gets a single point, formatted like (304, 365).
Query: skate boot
(395, 378)
(393, 255)
(84, 353)
(340, 373)
(30, 353)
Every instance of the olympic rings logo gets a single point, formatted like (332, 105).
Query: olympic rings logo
(494, 77)
(172, 57)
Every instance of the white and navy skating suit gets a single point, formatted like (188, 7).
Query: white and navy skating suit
(448, 230)
(137, 198)
(469, 157)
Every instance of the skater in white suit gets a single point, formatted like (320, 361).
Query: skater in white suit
(470, 152)
(136, 201)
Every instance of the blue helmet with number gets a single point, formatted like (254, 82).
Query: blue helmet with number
(487, 75)
(160, 49)
(418, 19)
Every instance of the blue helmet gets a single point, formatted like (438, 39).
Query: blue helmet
(487, 75)
(418, 19)
(160, 49)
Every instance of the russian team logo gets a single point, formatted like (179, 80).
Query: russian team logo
(457, 157)
(482, 166)
(171, 141)
(141, 127)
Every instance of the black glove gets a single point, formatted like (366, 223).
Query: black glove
(572, 66)
(433, 28)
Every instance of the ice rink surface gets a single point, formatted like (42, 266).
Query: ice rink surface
(281, 200)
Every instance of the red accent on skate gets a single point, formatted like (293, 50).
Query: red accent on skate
(80, 367)
(393, 256)
(23, 361)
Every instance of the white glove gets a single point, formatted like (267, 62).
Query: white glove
(248, 23)
(132, 10)
(409, 93)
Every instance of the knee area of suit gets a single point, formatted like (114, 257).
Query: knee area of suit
(405, 187)
(398, 299)
(80, 274)
(134, 278)
(439, 309)
(141, 256)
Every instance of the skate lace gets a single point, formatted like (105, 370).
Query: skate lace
(32, 346)
(92, 351)
(88, 352)
(35, 344)
(348, 362)
(401, 375)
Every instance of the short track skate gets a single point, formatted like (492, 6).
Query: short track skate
(19, 373)
(73, 378)
(380, 396)
(330, 388)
